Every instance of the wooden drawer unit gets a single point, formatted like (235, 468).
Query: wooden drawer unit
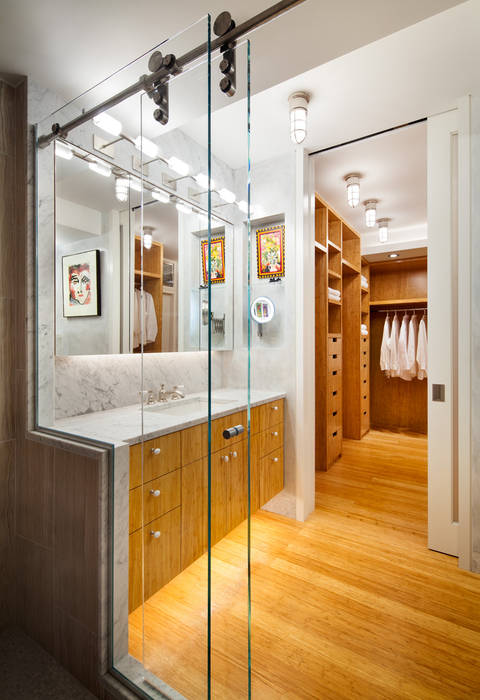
(334, 382)
(194, 443)
(334, 363)
(334, 421)
(365, 419)
(220, 424)
(257, 419)
(237, 485)
(194, 511)
(273, 412)
(161, 495)
(334, 445)
(160, 456)
(272, 439)
(271, 475)
(135, 509)
(334, 345)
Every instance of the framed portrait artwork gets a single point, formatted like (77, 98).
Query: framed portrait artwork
(217, 249)
(81, 284)
(271, 252)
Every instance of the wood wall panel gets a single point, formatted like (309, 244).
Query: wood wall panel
(394, 403)
(405, 279)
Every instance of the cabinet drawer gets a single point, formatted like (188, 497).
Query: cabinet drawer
(334, 362)
(135, 586)
(238, 485)
(161, 495)
(160, 456)
(365, 419)
(334, 345)
(273, 413)
(161, 542)
(334, 420)
(221, 424)
(135, 509)
(257, 420)
(271, 475)
(194, 511)
(334, 445)
(334, 382)
(194, 443)
(272, 439)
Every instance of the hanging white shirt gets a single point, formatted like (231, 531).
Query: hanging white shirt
(385, 348)
(412, 346)
(150, 325)
(393, 343)
(402, 350)
(422, 350)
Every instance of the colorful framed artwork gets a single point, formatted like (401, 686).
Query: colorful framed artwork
(217, 248)
(81, 284)
(271, 252)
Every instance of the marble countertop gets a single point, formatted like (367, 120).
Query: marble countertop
(118, 426)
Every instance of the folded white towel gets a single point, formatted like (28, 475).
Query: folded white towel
(334, 292)
(364, 331)
(364, 282)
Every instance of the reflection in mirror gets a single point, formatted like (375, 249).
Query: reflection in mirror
(99, 217)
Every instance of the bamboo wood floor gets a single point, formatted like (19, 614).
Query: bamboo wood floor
(350, 604)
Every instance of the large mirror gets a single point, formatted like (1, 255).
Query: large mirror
(100, 252)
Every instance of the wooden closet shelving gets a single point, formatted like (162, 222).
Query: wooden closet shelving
(152, 283)
(339, 345)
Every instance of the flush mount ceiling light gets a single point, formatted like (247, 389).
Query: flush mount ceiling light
(100, 168)
(370, 212)
(353, 189)
(147, 237)
(383, 230)
(160, 196)
(121, 189)
(108, 123)
(202, 180)
(63, 150)
(298, 103)
(227, 195)
(179, 166)
(146, 146)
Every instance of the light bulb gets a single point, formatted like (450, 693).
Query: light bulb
(383, 230)
(353, 189)
(370, 213)
(121, 189)
(147, 147)
(183, 208)
(179, 166)
(298, 116)
(135, 184)
(63, 150)
(243, 206)
(202, 181)
(100, 168)
(227, 195)
(108, 123)
(160, 196)
(147, 237)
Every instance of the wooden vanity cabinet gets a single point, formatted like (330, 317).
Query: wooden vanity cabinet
(172, 497)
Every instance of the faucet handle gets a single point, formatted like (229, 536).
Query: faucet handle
(180, 387)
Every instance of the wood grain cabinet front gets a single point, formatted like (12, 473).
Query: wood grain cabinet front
(194, 511)
(271, 475)
(161, 542)
(160, 456)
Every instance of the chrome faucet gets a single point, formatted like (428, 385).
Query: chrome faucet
(176, 393)
(162, 394)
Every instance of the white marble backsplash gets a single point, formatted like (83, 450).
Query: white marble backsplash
(89, 383)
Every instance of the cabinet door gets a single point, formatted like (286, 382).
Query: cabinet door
(135, 570)
(273, 413)
(220, 494)
(194, 443)
(194, 511)
(161, 541)
(255, 457)
(238, 484)
(271, 475)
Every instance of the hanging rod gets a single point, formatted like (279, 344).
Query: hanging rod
(146, 82)
(396, 311)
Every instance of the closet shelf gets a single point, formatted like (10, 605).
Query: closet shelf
(396, 302)
(320, 247)
(364, 291)
(349, 269)
(335, 275)
(149, 275)
(334, 246)
(333, 301)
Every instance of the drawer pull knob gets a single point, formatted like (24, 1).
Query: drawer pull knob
(334, 357)
(334, 393)
(335, 434)
(364, 381)
(334, 372)
(275, 433)
(335, 413)
(225, 458)
(156, 450)
(234, 454)
(274, 408)
(155, 492)
(364, 365)
(155, 534)
(275, 459)
(334, 340)
(365, 396)
(364, 413)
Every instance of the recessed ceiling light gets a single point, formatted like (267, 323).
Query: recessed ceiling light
(393, 255)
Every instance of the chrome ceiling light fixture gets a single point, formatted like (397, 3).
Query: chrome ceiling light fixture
(147, 237)
(370, 212)
(121, 188)
(298, 103)
(383, 230)
(353, 189)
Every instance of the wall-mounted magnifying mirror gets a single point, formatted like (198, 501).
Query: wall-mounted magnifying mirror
(262, 311)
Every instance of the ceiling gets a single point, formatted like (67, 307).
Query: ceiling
(71, 46)
(393, 169)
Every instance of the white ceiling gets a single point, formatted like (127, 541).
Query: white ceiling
(393, 169)
(69, 46)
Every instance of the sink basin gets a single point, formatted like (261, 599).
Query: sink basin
(181, 407)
